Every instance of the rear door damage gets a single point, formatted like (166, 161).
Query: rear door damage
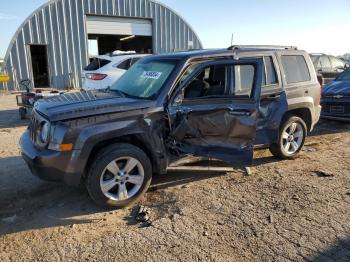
(219, 122)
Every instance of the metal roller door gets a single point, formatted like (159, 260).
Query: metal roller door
(118, 26)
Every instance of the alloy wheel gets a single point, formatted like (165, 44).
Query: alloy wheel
(292, 138)
(122, 178)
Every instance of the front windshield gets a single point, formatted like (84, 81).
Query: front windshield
(144, 79)
(345, 76)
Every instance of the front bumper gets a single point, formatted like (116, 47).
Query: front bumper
(337, 118)
(52, 165)
(328, 106)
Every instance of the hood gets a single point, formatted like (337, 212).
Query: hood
(84, 104)
(335, 88)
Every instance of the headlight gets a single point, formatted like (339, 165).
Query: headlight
(44, 133)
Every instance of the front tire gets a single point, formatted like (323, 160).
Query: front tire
(292, 136)
(119, 176)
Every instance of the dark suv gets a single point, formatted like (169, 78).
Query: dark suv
(327, 67)
(217, 104)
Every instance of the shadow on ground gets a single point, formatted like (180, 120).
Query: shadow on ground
(326, 127)
(339, 252)
(10, 119)
(181, 178)
(28, 203)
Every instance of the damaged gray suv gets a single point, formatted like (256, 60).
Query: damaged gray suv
(217, 104)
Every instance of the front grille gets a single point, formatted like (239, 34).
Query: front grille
(329, 108)
(33, 128)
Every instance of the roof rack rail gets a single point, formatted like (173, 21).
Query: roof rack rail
(317, 54)
(237, 47)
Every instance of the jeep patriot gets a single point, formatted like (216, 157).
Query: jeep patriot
(205, 103)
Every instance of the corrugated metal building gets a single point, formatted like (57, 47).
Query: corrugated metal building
(54, 43)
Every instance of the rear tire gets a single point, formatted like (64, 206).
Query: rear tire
(119, 176)
(293, 132)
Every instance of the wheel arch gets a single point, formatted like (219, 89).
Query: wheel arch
(133, 139)
(304, 113)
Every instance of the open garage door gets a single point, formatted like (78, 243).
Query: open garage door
(118, 26)
(107, 34)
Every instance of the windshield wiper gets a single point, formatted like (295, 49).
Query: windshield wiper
(120, 93)
(108, 90)
(123, 94)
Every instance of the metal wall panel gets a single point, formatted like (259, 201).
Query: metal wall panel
(61, 26)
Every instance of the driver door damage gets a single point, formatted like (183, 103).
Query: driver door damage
(214, 134)
(221, 126)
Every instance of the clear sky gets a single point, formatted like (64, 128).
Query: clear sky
(316, 26)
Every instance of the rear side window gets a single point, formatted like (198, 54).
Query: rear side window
(246, 73)
(125, 65)
(314, 59)
(325, 62)
(96, 64)
(295, 69)
(270, 72)
(134, 61)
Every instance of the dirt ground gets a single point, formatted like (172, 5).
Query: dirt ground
(295, 210)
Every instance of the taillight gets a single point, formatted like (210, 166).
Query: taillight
(96, 76)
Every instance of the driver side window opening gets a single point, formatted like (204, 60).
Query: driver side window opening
(215, 81)
(210, 81)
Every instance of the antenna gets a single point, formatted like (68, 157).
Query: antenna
(232, 39)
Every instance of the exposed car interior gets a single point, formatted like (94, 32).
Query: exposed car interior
(212, 81)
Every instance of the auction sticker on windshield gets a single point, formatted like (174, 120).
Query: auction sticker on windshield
(151, 74)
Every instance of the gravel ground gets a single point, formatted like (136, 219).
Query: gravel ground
(295, 210)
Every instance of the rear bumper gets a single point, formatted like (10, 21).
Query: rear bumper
(317, 116)
(51, 165)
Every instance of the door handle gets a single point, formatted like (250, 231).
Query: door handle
(239, 112)
(274, 96)
(271, 97)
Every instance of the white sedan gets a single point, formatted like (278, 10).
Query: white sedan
(105, 70)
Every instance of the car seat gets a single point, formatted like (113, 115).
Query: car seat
(197, 88)
(217, 81)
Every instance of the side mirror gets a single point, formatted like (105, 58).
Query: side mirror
(346, 66)
(180, 97)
